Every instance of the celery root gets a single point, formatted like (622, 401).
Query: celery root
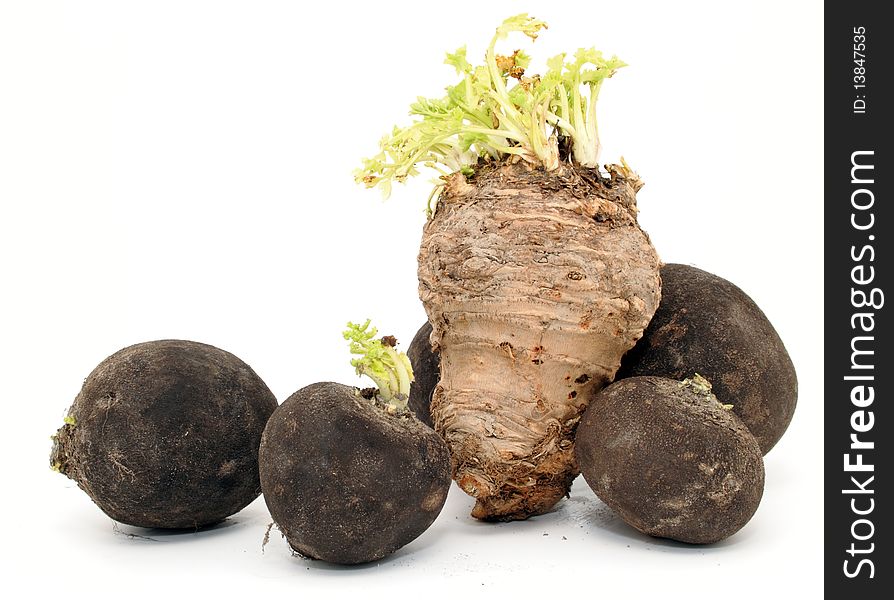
(536, 284)
(533, 270)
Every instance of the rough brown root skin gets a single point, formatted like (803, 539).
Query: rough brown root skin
(536, 284)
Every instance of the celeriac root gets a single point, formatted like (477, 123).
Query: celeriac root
(536, 284)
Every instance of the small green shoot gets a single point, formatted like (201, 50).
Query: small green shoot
(702, 386)
(380, 361)
(487, 115)
(70, 420)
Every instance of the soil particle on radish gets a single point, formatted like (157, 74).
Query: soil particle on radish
(347, 482)
(427, 371)
(705, 324)
(166, 434)
(670, 459)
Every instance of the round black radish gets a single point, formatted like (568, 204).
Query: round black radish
(670, 459)
(345, 481)
(427, 372)
(166, 434)
(706, 325)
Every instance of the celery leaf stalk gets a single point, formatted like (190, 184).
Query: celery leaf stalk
(496, 111)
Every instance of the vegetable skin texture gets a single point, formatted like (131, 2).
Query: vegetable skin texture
(670, 459)
(427, 370)
(535, 284)
(165, 434)
(706, 324)
(345, 481)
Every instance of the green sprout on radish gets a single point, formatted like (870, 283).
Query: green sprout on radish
(380, 361)
(702, 386)
(486, 116)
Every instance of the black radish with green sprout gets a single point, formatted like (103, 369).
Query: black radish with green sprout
(165, 434)
(351, 475)
(533, 271)
(671, 459)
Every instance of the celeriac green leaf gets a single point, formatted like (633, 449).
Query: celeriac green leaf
(498, 110)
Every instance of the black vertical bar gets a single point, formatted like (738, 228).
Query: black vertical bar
(859, 369)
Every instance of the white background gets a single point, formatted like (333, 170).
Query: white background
(184, 169)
